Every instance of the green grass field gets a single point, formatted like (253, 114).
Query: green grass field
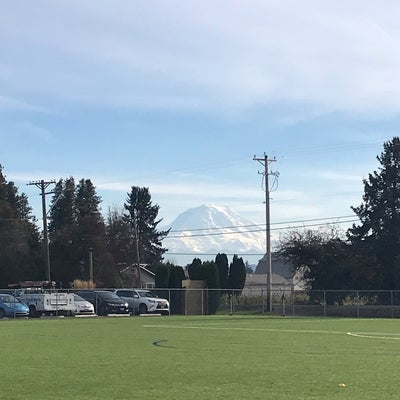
(217, 357)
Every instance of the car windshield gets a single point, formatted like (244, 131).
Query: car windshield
(78, 298)
(108, 296)
(7, 298)
(125, 293)
(146, 293)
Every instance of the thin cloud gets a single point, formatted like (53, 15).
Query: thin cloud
(13, 104)
(189, 189)
(338, 176)
(168, 55)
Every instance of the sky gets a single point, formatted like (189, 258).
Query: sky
(180, 96)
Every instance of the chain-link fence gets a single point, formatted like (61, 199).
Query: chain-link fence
(321, 303)
(340, 303)
(329, 303)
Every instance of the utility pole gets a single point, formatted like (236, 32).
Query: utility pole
(43, 185)
(91, 279)
(265, 163)
(135, 227)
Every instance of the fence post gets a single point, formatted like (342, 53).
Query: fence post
(169, 301)
(324, 303)
(293, 300)
(391, 303)
(57, 294)
(262, 297)
(358, 303)
(202, 301)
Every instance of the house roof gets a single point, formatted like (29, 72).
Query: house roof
(143, 267)
(278, 266)
(261, 280)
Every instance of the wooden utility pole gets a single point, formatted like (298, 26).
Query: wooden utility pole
(91, 278)
(43, 185)
(135, 227)
(265, 162)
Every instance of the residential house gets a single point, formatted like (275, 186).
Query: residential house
(130, 276)
(284, 277)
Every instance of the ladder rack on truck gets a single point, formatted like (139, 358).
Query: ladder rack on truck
(43, 299)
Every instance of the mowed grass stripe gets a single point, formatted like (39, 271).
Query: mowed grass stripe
(215, 357)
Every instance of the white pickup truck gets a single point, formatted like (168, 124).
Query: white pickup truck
(46, 301)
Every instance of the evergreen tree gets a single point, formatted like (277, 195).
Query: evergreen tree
(142, 219)
(170, 276)
(20, 251)
(213, 285)
(194, 270)
(87, 201)
(62, 206)
(77, 232)
(176, 276)
(379, 214)
(120, 240)
(64, 257)
(162, 276)
(237, 274)
(176, 297)
(223, 269)
(207, 271)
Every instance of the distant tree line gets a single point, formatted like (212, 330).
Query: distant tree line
(79, 234)
(20, 242)
(220, 278)
(367, 256)
(77, 230)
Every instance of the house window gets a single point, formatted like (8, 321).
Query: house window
(150, 285)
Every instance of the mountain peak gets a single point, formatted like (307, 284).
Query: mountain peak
(209, 229)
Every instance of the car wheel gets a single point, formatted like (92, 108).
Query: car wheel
(142, 309)
(2, 313)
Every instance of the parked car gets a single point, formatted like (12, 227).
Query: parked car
(105, 302)
(82, 306)
(129, 296)
(12, 307)
(143, 301)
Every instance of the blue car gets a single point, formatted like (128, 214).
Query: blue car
(12, 307)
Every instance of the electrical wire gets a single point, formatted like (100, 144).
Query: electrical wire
(260, 225)
(213, 254)
(260, 230)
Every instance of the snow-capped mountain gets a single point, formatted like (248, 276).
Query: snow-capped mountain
(209, 229)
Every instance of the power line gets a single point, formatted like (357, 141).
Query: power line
(260, 225)
(259, 230)
(213, 254)
(247, 231)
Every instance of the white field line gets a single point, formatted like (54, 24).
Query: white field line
(283, 321)
(274, 322)
(372, 335)
(242, 329)
(368, 335)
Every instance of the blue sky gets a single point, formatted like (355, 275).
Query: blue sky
(179, 96)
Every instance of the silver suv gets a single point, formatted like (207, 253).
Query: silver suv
(143, 301)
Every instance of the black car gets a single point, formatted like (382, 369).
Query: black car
(105, 302)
